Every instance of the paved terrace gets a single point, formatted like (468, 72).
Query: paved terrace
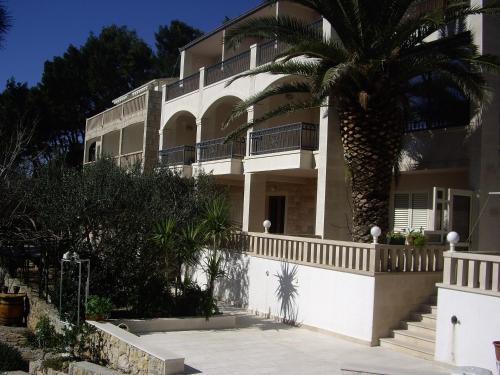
(260, 346)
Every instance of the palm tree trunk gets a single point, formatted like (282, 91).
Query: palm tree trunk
(371, 141)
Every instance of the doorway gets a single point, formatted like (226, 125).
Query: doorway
(277, 205)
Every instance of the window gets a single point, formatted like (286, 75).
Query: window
(410, 211)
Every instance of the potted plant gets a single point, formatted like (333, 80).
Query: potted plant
(417, 239)
(497, 349)
(395, 238)
(98, 308)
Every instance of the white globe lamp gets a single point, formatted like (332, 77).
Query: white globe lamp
(266, 224)
(453, 238)
(375, 232)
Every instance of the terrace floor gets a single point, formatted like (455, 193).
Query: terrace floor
(260, 346)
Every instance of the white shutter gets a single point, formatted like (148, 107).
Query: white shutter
(419, 211)
(401, 211)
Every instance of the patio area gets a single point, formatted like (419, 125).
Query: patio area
(261, 346)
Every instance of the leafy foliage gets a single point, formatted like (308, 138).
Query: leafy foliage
(11, 359)
(4, 22)
(99, 306)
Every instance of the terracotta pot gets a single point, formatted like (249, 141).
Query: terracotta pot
(11, 309)
(497, 349)
(97, 317)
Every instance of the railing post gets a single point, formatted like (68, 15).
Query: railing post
(202, 78)
(374, 265)
(253, 56)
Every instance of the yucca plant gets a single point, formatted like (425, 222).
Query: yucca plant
(218, 229)
(191, 242)
(164, 236)
(380, 56)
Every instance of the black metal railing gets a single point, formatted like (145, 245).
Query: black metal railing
(299, 136)
(415, 126)
(184, 86)
(227, 68)
(266, 52)
(217, 149)
(181, 155)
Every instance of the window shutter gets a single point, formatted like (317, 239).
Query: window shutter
(419, 212)
(401, 211)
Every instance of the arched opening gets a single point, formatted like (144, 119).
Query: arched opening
(179, 139)
(213, 132)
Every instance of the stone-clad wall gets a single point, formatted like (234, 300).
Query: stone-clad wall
(125, 352)
(37, 306)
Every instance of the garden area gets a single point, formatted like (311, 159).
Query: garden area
(142, 232)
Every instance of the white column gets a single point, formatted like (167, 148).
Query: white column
(253, 56)
(183, 61)
(333, 211)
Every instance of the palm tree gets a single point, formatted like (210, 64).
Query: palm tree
(369, 71)
(191, 243)
(4, 22)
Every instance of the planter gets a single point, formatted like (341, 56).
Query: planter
(11, 309)
(96, 317)
(497, 349)
(16, 289)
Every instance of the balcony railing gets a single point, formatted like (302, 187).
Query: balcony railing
(184, 86)
(266, 52)
(415, 126)
(216, 149)
(181, 155)
(299, 136)
(228, 68)
(132, 107)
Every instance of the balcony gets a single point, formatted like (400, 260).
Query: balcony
(219, 157)
(415, 126)
(283, 147)
(179, 159)
(227, 68)
(184, 86)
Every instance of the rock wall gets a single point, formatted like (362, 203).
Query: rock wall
(38, 307)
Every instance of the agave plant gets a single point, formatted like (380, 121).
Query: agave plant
(378, 58)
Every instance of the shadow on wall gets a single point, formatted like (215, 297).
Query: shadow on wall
(233, 288)
(287, 292)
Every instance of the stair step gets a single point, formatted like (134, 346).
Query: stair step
(424, 317)
(428, 309)
(420, 327)
(422, 340)
(407, 348)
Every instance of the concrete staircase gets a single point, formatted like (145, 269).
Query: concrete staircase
(417, 336)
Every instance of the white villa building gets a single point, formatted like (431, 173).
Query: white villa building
(290, 170)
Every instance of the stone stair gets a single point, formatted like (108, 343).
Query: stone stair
(417, 336)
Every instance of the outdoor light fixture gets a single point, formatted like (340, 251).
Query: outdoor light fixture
(375, 232)
(453, 239)
(73, 258)
(266, 224)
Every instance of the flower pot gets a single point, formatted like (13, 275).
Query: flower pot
(497, 349)
(11, 309)
(96, 317)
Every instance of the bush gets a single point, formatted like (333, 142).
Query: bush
(395, 238)
(11, 359)
(99, 306)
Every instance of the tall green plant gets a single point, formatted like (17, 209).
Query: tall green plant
(218, 229)
(191, 242)
(164, 236)
(380, 58)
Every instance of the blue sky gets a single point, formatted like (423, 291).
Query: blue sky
(43, 29)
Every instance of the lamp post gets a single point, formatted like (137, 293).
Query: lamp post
(73, 258)
(453, 238)
(266, 224)
(375, 232)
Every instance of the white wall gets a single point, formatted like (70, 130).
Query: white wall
(340, 302)
(469, 342)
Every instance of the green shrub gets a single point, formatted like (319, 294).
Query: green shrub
(99, 306)
(11, 359)
(57, 363)
(395, 238)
